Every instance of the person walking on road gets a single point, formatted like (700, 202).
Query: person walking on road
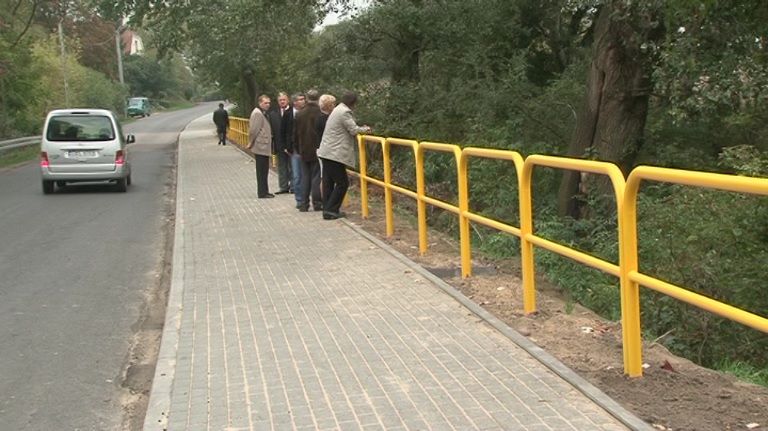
(305, 137)
(260, 144)
(221, 120)
(336, 152)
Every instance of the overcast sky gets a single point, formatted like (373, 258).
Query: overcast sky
(333, 18)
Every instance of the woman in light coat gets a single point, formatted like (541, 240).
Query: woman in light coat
(336, 152)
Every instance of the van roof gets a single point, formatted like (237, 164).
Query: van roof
(80, 111)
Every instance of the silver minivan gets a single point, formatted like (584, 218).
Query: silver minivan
(83, 145)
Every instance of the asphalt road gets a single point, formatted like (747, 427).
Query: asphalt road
(76, 268)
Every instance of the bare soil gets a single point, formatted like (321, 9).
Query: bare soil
(673, 394)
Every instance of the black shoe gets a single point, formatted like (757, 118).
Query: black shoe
(268, 195)
(303, 209)
(281, 192)
(317, 207)
(329, 215)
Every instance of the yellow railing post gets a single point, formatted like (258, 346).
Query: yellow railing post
(421, 206)
(390, 227)
(363, 176)
(526, 248)
(465, 239)
(630, 291)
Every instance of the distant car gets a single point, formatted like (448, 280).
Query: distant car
(80, 145)
(138, 106)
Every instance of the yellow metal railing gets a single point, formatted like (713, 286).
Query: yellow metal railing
(238, 131)
(626, 202)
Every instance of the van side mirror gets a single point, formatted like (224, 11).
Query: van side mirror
(130, 139)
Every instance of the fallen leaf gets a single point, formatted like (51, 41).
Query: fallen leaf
(587, 329)
(667, 366)
(753, 425)
(646, 366)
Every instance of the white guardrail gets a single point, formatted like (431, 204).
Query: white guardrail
(19, 142)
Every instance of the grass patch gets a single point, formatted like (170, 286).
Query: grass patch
(745, 372)
(19, 155)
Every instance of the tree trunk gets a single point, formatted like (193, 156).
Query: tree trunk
(610, 124)
(406, 65)
(249, 91)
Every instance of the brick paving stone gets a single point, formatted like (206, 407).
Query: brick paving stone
(288, 321)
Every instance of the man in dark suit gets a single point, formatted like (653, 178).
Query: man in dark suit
(280, 142)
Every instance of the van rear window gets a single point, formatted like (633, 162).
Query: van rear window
(80, 128)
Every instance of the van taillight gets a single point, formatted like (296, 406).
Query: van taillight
(119, 157)
(44, 160)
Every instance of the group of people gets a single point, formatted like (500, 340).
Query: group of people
(313, 140)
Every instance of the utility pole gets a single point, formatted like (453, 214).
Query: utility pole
(64, 66)
(119, 51)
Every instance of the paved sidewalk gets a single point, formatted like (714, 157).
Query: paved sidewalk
(280, 320)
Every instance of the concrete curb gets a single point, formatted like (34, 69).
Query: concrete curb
(583, 386)
(159, 403)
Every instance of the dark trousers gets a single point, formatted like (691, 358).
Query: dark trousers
(262, 172)
(310, 184)
(335, 185)
(222, 132)
(284, 171)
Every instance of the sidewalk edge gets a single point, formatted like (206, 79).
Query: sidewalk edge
(590, 391)
(159, 403)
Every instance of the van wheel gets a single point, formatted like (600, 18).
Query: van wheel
(47, 187)
(122, 185)
(61, 183)
(128, 180)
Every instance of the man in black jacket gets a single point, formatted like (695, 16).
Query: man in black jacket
(221, 120)
(305, 142)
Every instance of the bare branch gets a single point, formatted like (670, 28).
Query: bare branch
(29, 23)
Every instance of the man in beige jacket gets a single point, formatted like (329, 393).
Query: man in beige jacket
(260, 144)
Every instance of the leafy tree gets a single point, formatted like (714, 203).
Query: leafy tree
(714, 61)
(237, 43)
(86, 87)
(147, 77)
(18, 72)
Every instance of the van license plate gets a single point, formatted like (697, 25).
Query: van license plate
(80, 154)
